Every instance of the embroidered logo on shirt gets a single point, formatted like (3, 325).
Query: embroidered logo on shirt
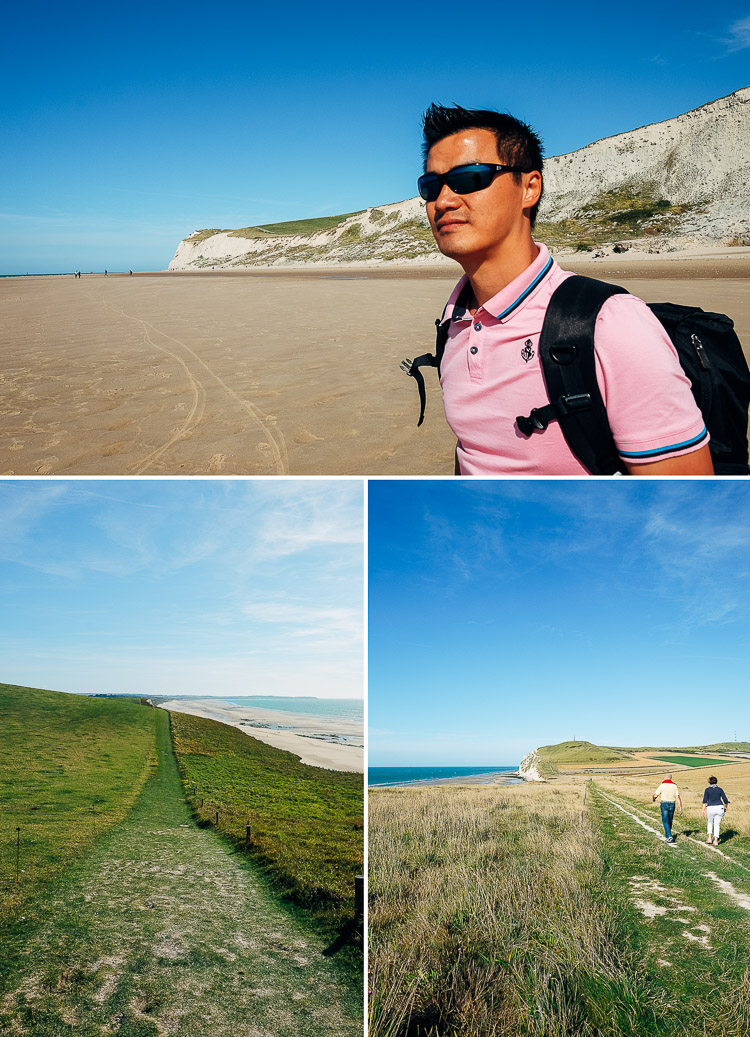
(527, 352)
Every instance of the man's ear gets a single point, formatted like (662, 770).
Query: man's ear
(532, 188)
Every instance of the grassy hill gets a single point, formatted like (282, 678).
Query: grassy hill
(550, 758)
(575, 754)
(290, 228)
(307, 823)
(71, 766)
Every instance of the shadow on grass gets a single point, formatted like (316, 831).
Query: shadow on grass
(350, 935)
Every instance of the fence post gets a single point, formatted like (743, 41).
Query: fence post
(248, 836)
(359, 897)
(217, 818)
(18, 854)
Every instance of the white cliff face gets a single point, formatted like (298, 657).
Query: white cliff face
(699, 160)
(700, 157)
(529, 767)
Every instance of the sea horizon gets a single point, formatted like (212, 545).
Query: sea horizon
(413, 775)
(341, 709)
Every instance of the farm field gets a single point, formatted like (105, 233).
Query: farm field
(556, 908)
(691, 761)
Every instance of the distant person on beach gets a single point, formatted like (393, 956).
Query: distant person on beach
(669, 795)
(715, 804)
(482, 185)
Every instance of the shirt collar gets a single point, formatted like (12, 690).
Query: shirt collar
(510, 298)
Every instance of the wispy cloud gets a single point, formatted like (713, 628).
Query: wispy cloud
(739, 35)
(309, 621)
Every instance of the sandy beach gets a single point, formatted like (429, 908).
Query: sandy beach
(333, 743)
(260, 372)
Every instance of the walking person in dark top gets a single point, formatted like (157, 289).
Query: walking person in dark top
(715, 804)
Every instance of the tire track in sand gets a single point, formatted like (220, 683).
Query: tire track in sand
(276, 441)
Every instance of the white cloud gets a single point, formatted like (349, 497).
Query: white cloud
(309, 620)
(739, 35)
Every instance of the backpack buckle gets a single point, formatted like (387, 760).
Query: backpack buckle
(534, 422)
(406, 366)
(581, 401)
(540, 417)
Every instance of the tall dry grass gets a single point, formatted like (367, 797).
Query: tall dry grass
(489, 915)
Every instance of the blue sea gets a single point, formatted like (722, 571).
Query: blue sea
(408, 775)
(344, 709)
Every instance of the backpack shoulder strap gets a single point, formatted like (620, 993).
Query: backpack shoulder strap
(412, 367)
(566, 353)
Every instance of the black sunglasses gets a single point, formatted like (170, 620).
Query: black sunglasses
(463, 179)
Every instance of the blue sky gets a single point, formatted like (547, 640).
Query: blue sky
(125, 128)
(508, 615)
(191, 587)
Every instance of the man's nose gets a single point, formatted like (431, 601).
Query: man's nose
(447, 199)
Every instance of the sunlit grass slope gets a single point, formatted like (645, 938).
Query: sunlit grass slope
(307, 823)
(70, 767)
(572, 754)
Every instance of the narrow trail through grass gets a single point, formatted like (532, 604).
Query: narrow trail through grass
(163, 929)
(690, 915)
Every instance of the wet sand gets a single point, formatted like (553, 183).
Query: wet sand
(332, 743)
(258, 372)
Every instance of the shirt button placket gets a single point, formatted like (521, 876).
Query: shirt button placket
(475, 364)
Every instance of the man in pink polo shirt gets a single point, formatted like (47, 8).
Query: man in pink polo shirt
(482, 184)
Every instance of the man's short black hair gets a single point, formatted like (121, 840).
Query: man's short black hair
(517, 142)
(712, 780)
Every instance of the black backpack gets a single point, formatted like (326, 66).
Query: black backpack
(708, 349)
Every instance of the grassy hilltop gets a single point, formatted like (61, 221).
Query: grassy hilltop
(71, 767)
(551, 760)
(577, 753)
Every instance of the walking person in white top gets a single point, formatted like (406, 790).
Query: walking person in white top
(715, 803)
(670, 797)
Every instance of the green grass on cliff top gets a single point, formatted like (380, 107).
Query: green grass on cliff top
(292, 227)
(70, 767)
(572, 754)
(581, 752)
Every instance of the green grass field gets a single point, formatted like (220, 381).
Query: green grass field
(307, 823)
(582, 752)
(293, 227)
(70, 767)
(692, 761)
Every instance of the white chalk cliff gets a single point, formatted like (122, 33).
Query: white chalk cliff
(529, 767)
(681, 182)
